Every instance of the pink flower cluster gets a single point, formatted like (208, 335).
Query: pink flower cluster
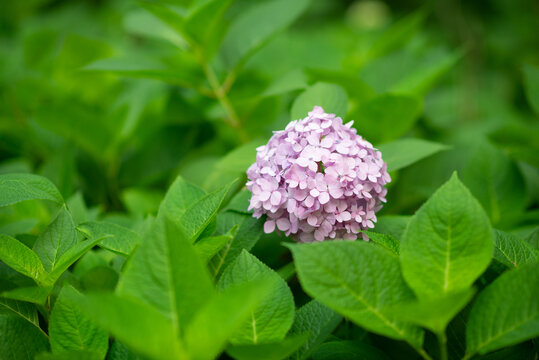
(318, 180)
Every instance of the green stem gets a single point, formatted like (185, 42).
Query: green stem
(232, 117)
(442, 341)
(423, 353)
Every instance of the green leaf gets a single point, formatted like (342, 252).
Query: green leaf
(208, 332)
(119, 351)
(506, 312)
(358, 281)
(292, 80)
(22, 309)
(357, 89)
(191, 283)
(402, 153)
(205, 25)
(69, 355)
(141, 201)
(254, 27)
(15, 188)
(423, 78)
(239, 159)
(393, 225)
(272, 318)
(350, 350)
(70, 329)
(170, 17)
(99, 278)
(433, 313)
(166, 273)
(20, 339)
(496, 182)
(249, 231)
(396, 35)
(116, 238)
(140, 68)
(531, 84)
(36, 295)
(268, 351)
(448, 242)
(386, 117)
(138, 325)
(57, 238)
(332, 98)
(20, 258)
(208, 247)
(512, 251)
(533, 239)
(200, 214)
(387, 242)
(180, 196)
(69, 258)
(319, 321)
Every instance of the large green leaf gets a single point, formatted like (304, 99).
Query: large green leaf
(350, 350)
(332, 98)
(167, 273)
(357, 280)
(200, 214)
(512, 251)
(34, 294)
(69, 355)
(249, 231)
(319, 321)
(506, 312)
(139, 326)
(191, 283)
(386, 241)
(20, 258)
(448, 242)
(57, 238)
(386, 117)
(20, 340)
(496, 182)
(401, 153)
(531, 83)
(433, 313)
(179, 197)
(189, 76)
(268, 351)
(69, 258)
(396, 35)
(272, 318)
(292, 80)
(210, 329)
(15, 188)
(209, 246)
(70, 329)
(116, 238)
(255, 26)
(204, 24)
(22, 309)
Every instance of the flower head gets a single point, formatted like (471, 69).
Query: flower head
(318, 180)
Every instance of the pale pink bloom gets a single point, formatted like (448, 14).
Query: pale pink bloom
(318, 180)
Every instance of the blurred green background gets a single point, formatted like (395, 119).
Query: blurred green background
(111, 103)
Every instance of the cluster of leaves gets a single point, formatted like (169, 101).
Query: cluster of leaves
(106, 105)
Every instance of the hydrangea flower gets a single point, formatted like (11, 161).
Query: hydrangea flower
(317, 180)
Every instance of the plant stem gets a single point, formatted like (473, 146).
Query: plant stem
(423, 353)
(442, 341)
(232, 117)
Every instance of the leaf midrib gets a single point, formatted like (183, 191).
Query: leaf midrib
(362, 300)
